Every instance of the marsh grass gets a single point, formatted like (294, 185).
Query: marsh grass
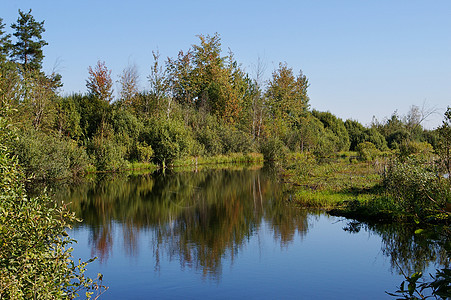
(142, 166)
(335, 183)
(349, 187)
(219, 159)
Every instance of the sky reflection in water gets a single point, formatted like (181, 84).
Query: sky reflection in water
(227, 234)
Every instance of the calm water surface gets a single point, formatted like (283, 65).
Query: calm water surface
(228, 234)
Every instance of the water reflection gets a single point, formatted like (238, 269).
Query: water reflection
(409, 249)
(203, 218)
(198, 218)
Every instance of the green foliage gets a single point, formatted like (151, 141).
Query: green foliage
(92, 113)
(439, 286)
(359, 134)
(5, 43)
(144, 152)
(422, 150)
(286, 99)
(397, 138)
(35, 253)
(203, 78)
(107, 153)
(273, 149)
(201, 103)
(416, 188)
(444, 143)
(236, 141)
(67, 117)
(337, 127)
(211, 141)
(10, 84)
(169, 139)
(46, 156)
(127, 128)
(398, 131)
(367, 151)
(310, 132)
(326, 144)
(28, 48)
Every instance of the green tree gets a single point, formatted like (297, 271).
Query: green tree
(67, 117)
(444, 144)
(28, 48)
(257, 105)
(286, 99)
(337, 127)
(5, 43)
(161, 100)
(359, 134)
(203, 78)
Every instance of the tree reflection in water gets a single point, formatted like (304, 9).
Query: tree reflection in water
(200, 218)
(409, 249)
(197, 217)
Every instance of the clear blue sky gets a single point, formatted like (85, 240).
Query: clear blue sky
(362, 58)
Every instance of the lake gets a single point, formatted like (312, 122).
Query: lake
(232, 234)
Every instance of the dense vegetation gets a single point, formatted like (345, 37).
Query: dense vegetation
(35, 253)
(202, 103)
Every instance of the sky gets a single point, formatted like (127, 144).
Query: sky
(362, 58)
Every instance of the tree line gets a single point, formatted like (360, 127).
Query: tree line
(199, 103)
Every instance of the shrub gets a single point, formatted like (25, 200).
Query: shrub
(35, 261)
(210, 139)
(422, 150)
(169, 139)
(326, 144)
(416, 188)
(144, 152)
(235, 141)
(273, 149)
(46, 156)
(107, 153)
(367, 151)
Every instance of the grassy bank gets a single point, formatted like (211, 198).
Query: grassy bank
(345, 186)
(219, 159)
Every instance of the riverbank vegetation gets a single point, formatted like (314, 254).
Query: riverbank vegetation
(35, 252)
(203, 107)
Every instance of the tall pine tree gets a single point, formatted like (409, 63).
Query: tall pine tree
(5, 43)
(28, 48)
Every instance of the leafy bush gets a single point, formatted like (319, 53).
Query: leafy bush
(273, 149)
(169, 139)
(210, 139)
(107, 153)
(45, 156)
(416, 188)
(367, 151)
(422, 150)
(337, 126)
(326, 144)
(35, 261)
(437, 286)
(126, 128)
(235, 141)
(144, 152)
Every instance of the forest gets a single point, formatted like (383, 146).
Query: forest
(201, 103)
(198, 105)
